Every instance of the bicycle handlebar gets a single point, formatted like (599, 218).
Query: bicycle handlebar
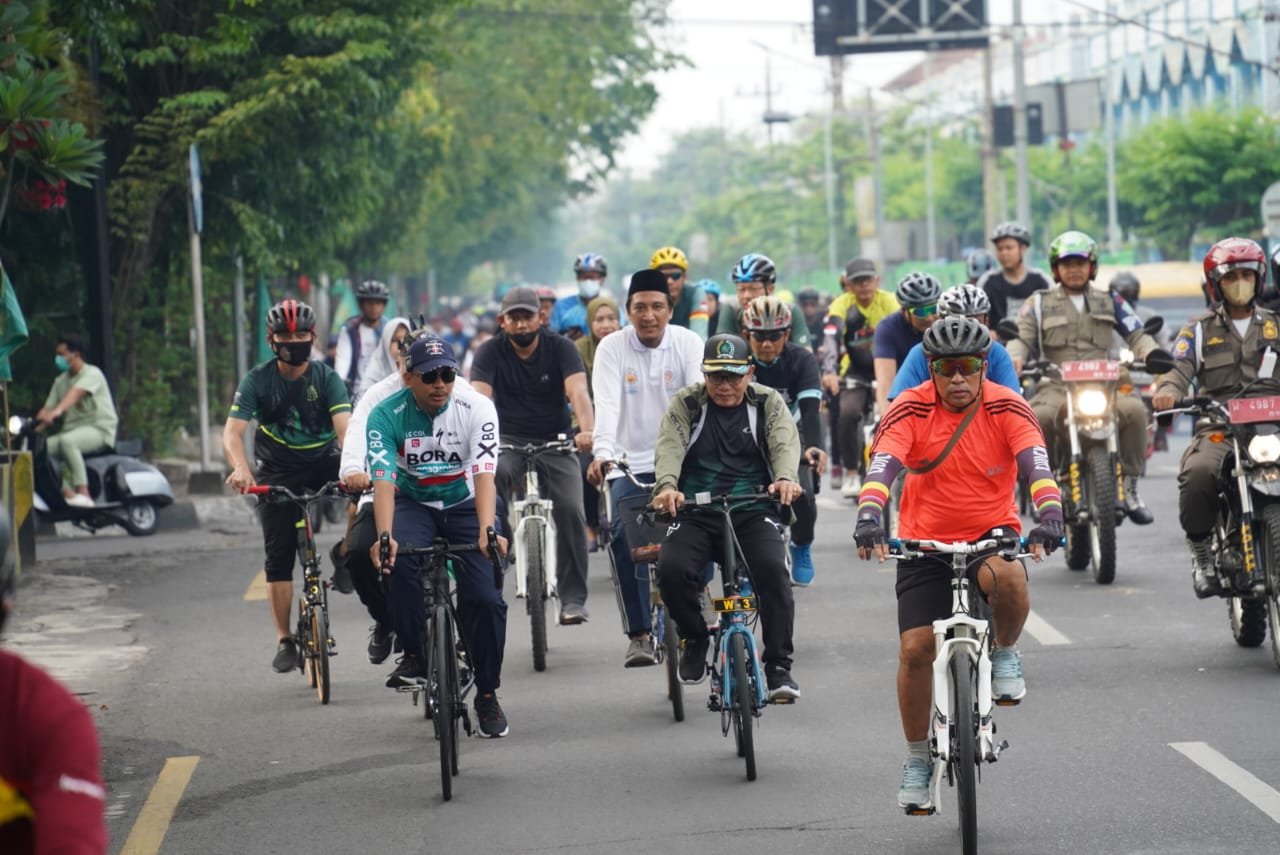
(561, 445)
(1008, 547)
(622, 466)
(442, 547)
(332, 488)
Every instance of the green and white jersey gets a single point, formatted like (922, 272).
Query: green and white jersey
(436, 458)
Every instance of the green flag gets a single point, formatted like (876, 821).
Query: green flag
(13, 327)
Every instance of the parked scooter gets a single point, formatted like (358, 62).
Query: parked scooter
(126, 491)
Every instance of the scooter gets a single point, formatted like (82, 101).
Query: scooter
(126, 491)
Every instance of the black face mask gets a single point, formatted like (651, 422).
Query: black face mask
(293, 352)
(523, 339)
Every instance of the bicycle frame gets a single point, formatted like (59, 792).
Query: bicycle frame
(534, 507)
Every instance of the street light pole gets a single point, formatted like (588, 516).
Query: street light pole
(832, 262)
(930, 223)
(1022, 183)
(1113, 215)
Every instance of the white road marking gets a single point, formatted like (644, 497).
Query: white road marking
(1042, 632)
(1262, 796)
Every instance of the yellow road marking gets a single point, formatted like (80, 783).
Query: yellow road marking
(257, 588)
(153, 821)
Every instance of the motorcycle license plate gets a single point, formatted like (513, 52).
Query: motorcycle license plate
(1090, 369)
(1243, 411)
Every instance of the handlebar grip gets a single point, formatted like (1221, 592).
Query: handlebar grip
(491, 536)
(256, 490)
(384, 550)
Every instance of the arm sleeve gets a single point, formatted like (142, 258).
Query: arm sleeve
(245, 404)
(1186, 363)
(1000, 368)
(65, 789)
(1129, 324)
(914, 371)
(831, 338)
(810, 423)
(881, 472)
(383, 444)
(1033, 465)
(342, 355)
(691, 354)
(607, 390)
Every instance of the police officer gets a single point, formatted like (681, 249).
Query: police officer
(1074, 320)
(1221, 350)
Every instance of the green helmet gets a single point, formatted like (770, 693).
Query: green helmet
(1073, 245)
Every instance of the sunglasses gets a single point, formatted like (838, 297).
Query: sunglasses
(725, 378)
(948, 366)
(924, 311)
(767, 335)
(448, 375)
(675, 275)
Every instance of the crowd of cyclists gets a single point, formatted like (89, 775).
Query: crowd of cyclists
(909, 395)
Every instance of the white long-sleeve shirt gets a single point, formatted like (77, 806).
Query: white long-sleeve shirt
(633, 384)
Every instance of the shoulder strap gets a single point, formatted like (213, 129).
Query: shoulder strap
(930, 465)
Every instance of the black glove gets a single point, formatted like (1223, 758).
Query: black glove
(1048, 534)
(869, 532)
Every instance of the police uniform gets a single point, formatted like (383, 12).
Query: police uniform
(1211, 351)
(1052, 324)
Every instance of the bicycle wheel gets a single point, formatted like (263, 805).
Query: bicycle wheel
(302, 635)
(536, 581)
(675, 689)
(743, 719)
(319, 652)
(964, 737)
(443, 661)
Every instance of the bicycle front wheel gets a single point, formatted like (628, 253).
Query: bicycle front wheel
(443, 682)
(534, 543)
(743, 719)
(671, 647)
(318, 652)
(964, 738)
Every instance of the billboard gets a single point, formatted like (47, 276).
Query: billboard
(876, 26)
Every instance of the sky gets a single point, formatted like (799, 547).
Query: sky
(728, 43)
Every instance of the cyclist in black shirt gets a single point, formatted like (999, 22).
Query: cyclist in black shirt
(1010, 285)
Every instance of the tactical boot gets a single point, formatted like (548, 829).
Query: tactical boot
(1204, 578)
(1136, 509)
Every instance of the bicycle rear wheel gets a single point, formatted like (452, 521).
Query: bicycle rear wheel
(443, 662)
(964, 736)
(319, 652)
(536, 581)
(743, 718)
(671, 647)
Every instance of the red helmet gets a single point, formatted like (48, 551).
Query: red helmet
(1233, 253)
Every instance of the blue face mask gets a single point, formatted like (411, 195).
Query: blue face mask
(60, 362)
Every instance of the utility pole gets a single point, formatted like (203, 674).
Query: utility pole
(829, 162)
(873, 139)
(1022, 185)
(930, 224)
(1109, 119)
(990, 166)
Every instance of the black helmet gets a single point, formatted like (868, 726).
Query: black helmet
(918, 289)
(754, 267)
(1017, 231)
(289, 315)
(372, 289)
(808, 295)
(1126, 285)
(956, 335)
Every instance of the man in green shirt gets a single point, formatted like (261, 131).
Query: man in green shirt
(81, 398)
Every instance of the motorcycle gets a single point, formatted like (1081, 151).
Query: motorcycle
(126, 491)
(1246, 536)
(1084, 453)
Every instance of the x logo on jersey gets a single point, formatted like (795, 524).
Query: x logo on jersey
(379, 458)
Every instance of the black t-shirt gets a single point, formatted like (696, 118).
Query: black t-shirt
(794, 373)
(1006, 298)
(295, 416)
(529, 394)
(724, 457)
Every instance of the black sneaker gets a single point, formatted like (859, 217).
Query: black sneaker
(781, 686)
(693, 659)
(341, 580)
(286, 655)
(493, 721)
(408, 670)
(380, 640)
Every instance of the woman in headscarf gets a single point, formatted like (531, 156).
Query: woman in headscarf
(383, 362)
(602, 318)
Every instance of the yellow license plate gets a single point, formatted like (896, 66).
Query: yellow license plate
(734, 604)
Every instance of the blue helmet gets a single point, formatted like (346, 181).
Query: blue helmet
(708, 286)
(754, 267)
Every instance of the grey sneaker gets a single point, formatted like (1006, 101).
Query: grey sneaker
(913, 794)
(640, 652)
(573, 614)
(1007, 685)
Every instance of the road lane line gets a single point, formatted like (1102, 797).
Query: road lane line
(1042, 632)
(153, 820)
(1262, 796)
(257, 588)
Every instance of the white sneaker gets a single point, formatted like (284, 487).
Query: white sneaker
(852, 486)
(79, 500)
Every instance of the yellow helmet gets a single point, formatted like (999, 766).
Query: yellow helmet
(669, 256)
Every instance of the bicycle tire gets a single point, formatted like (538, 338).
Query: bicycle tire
(964, 735)
(302, 637)
(1102, 507)
(743, 718)
(1269, 556)
(671, 647)
(445, 719)
(319, 653)
(536, 589)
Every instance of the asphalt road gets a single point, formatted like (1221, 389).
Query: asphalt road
(158, 637)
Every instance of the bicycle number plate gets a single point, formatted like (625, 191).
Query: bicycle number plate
(1090, 369)
(1243, 411)
(734, 604)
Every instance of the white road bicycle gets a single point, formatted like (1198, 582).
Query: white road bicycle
(962, 734)
(534, 539)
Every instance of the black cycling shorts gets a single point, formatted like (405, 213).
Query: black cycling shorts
(279, 518)
(924, 588)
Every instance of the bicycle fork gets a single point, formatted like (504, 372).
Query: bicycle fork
(540, 513)
(965, 641)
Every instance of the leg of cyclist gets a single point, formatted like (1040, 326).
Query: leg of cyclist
(590, 503)
(482, 617)
(364, 577)
(1132, 416)
(509, 482)
(562, 479)
(924, 595)
(691, 544)
(763, 542)
(834, 447)
(1004, 583)
(853, 403)
(632, 581)
(805, 510)
(414, 525)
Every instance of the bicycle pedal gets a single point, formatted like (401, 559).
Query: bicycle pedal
(781, 701)
(1006, 702)
(916, 810)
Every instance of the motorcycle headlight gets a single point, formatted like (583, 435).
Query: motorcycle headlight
(1265, 448)
(1091, 402)
(15, 425)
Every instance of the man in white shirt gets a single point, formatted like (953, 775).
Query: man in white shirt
(637, 371)
(358, 339)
